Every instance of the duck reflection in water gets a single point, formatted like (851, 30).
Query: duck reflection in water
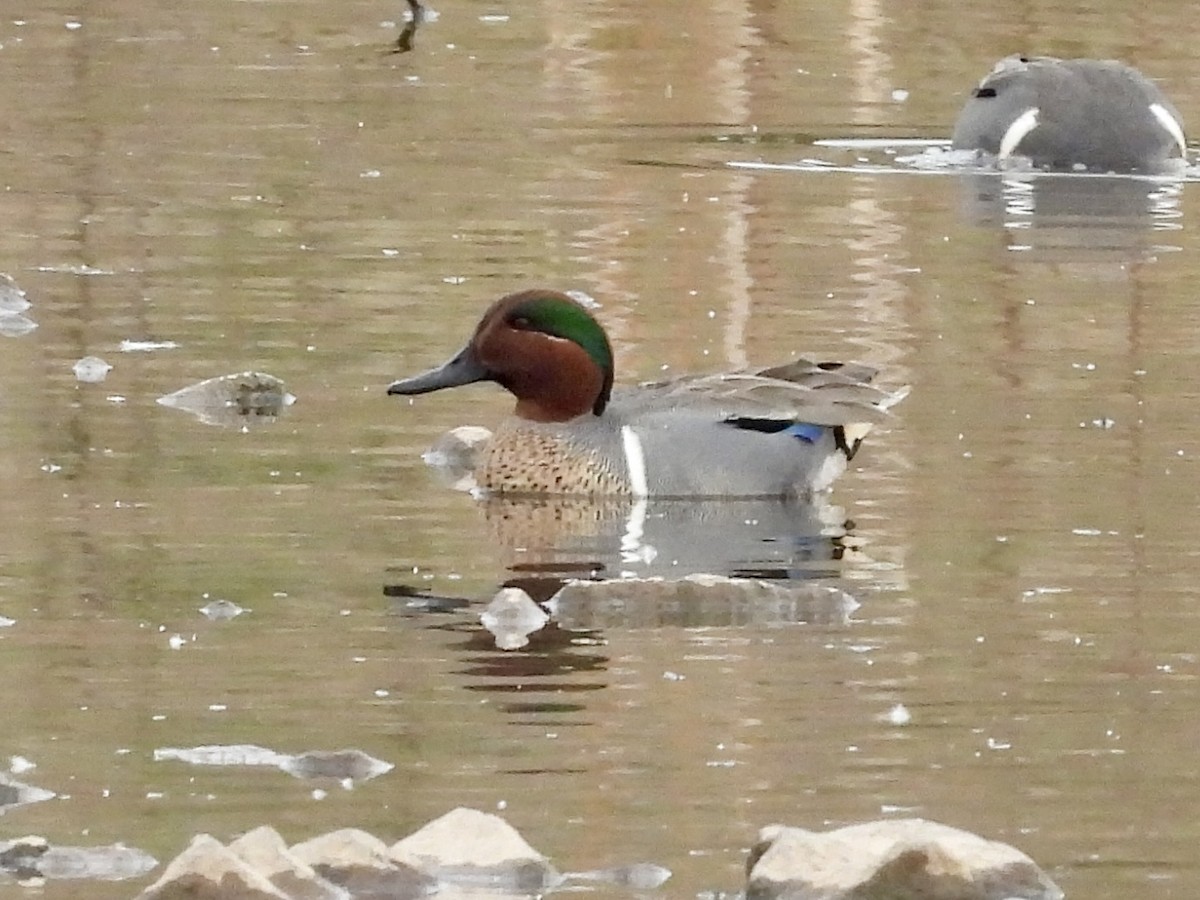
(1102, 224)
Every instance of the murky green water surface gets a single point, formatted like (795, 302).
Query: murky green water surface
(267, 187)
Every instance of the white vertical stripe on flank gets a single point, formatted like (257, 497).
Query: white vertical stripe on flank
(1017, 132)
(1169, 122)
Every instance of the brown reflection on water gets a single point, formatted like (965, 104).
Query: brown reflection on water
(270, 187)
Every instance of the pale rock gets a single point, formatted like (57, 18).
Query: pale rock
(207, 870)
(360, 863)
(895, 859)
(265, 851)
(469, 848)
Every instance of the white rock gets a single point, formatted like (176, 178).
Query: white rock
(910, 858)
(265, 851)
(209, 869)
(360, 863)
(473, 848)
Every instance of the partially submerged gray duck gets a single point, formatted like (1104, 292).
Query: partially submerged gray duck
(1072, 115)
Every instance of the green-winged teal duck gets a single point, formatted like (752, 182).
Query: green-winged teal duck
(1072, 114)
(782, 431)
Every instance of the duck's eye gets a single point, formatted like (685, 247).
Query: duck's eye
(520, 322)
(985, 92)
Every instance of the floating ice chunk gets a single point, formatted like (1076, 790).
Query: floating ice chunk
(115, 862)
(643, 876)
(237, 399)
(15, 324)
(12, 298)
(128, 346)
(218, 610)
(92, 369)
(454, 454)
(14, 793)
(511, 617)
(33, 857)
(222, 755)
(76, 269)
(341, 764)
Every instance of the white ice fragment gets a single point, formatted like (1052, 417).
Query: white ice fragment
(1039, 591)
(128, 346)
(344, 765)
(12, 298)
(176, 641)
(219, 610)
(222, 755)
(897, 715)
(511, 617)
(242, 398)
(16, 325)
(91, 369)
(19, 765)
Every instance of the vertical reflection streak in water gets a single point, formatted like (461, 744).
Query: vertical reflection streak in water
(633, 550)
(577, 91)
(734, 253)
(879, 253)
(870, 73)
(732, 87)
(1098, 229)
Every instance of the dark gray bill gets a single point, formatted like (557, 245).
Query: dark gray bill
(464, 368)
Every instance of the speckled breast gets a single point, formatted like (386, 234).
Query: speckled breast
(527, 459)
